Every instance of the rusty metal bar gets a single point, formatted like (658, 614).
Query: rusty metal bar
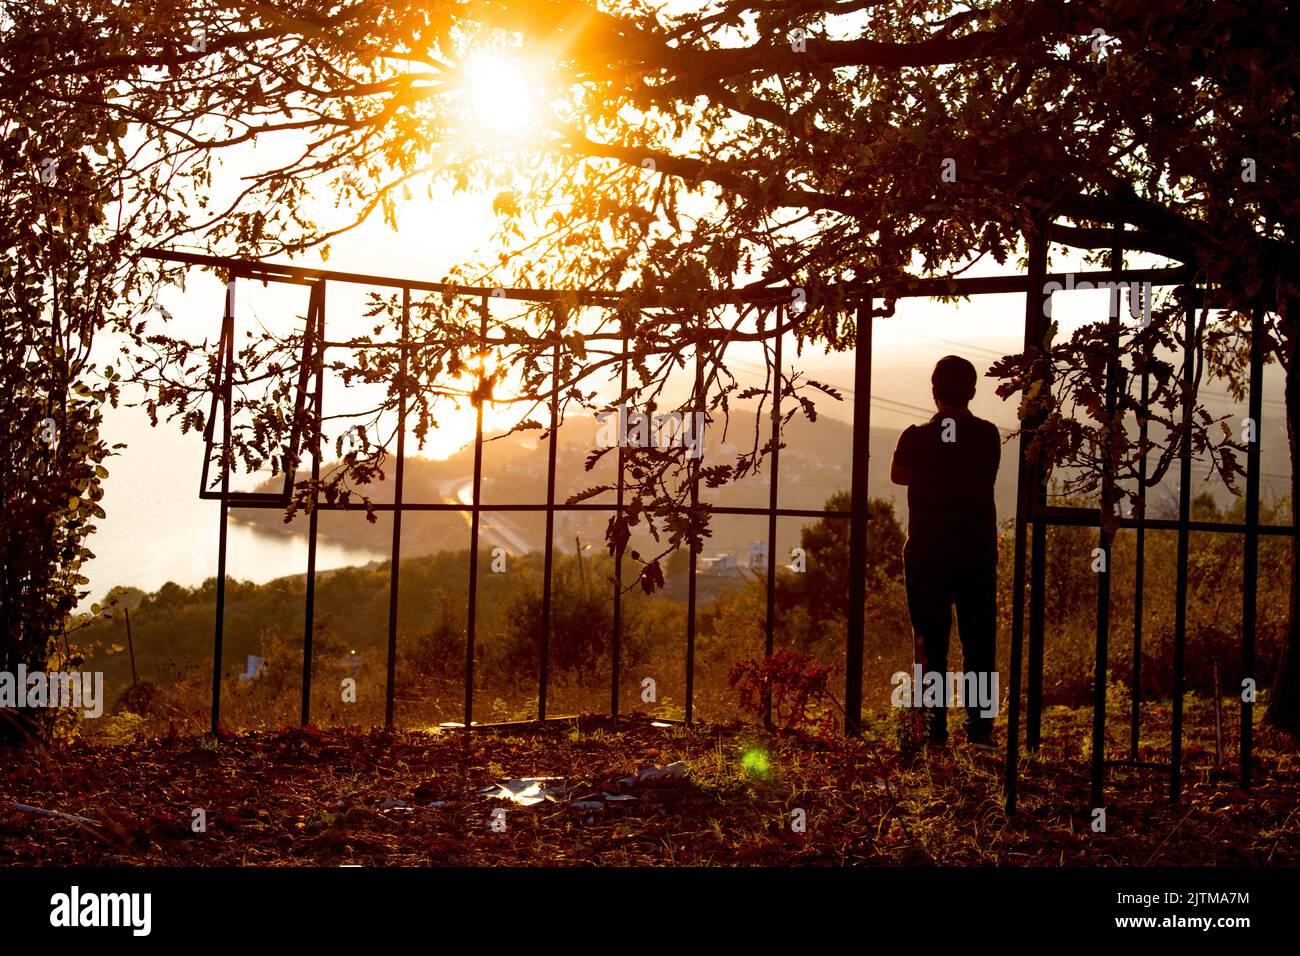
(1025, 480)
(394, 572)
(769, 618)
(1139, 573)
(902, 288)
(1104, 542)
(471, 614)
(693, 558)
(1250, 555)
(616, 640)
(858, 519)
(548, 560)
(313, 520)
(1184, 534)
(227, 364)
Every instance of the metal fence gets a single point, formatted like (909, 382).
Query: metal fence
(1033, 514)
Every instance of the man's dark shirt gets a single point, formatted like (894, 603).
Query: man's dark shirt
(951, 512)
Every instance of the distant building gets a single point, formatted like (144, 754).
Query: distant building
(725, 563)
(254, 669)
(758, 556)
(352, 662)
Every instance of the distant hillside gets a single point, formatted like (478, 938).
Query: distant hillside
(815, 463)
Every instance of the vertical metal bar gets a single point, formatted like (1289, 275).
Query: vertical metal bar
(617, 637)
(1036, 326)
(227, 372)
(769, 619)
(1099, 673)
(1104, 538)
(394, 566)
(858, 517)
(1037, 619)
(130, 644)
(299, 406)
(1184, 513)
(697, 409)
(1250, 554)
(544, 656)
(1025, 478)
(1218, 713)
(1139, 571)
(313, 520)
(471, 616)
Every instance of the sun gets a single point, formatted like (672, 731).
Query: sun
(503, 92)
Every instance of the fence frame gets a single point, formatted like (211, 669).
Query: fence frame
(1033, 516)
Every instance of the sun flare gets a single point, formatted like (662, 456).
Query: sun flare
(503, 92)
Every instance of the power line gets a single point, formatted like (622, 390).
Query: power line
(991, 353)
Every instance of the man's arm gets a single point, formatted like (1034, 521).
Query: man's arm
(898, 474)
(900, 466)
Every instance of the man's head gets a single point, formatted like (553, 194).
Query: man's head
(953, 382)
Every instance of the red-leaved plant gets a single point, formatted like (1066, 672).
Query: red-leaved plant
(799, 686)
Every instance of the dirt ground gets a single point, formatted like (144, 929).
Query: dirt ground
(725, 796)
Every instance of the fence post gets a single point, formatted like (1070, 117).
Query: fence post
(769, 619)
(617, 637)
(1105, 538)
(1026, 479)
(396, 559)
(548, 560)
(226, 363)
(1250, 555)
(471, 616)
(858, 517)
(313, 520)
(697, 407)
(1184, 534)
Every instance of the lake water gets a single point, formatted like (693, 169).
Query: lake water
(159, 530)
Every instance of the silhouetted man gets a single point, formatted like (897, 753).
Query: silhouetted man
(949, 465)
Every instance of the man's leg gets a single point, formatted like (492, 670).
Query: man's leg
(929, 603)
(977, 624)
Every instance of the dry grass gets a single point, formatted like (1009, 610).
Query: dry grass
(317, 797)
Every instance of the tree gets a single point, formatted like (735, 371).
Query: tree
(826, 542)
(61, 278)
(828, 147)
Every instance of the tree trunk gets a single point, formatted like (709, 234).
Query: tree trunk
(1284, 700)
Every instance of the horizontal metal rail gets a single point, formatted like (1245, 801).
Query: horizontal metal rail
(901, 288)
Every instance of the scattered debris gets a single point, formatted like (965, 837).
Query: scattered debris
(661, 772)
(528, 791)
(52, 813)
(391, 803)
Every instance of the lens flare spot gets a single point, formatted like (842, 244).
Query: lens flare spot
(756, 761)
